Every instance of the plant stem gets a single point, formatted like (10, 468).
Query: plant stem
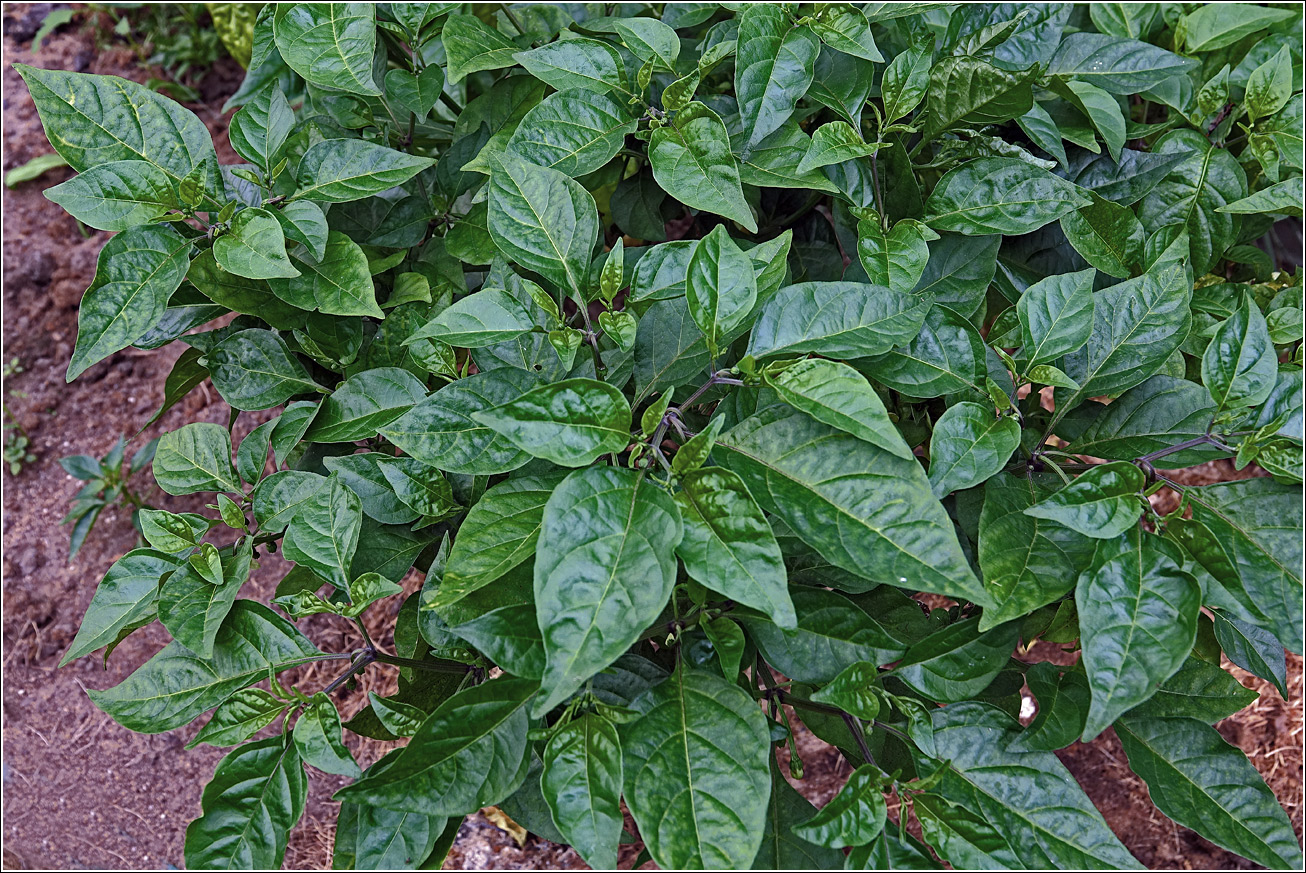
(429, 666)
(600, 368)
(855, 727)
(365, 658)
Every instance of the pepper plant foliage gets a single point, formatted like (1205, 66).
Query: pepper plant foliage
(676, 350)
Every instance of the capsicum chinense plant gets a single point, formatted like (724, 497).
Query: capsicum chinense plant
(642, 369)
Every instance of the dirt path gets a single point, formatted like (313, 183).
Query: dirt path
(79, 791)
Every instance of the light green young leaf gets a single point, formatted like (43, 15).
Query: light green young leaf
(116, 196)
(1000, 195)
(720, 286)
(970, 445)
(570, 423)
(317, 736)
(489, 316)
(692, 161)
(329, 44)
(581, 783)
(835, 393)
(254, 247)
(195, 457)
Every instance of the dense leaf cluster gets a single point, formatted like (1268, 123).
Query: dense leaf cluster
(678, 348)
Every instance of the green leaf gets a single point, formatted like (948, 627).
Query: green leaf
(1107, 235)
(499, 533)
(1196, 778)
(338, 283)
(125, 597)
(833, 143)
(340, 170)
(441, 432)
(1056, 316)
(570, 423)
(1137, 619)
(774, 64)
(728, 544)
(175, 686)
(836, 319)
(959, 270)
(254, 247)
(363, 404)
(361, 474)
(1063, 702)
(970, 445)
(1039, 813)
(1257, 651)
(1157, 414)
(1198, 689)
(1118, 66)
(853, 691)
(650, 40)
(472, 46)
(374, 838)
(906, 80)
(1256, 521)
(781, 850)
(466, 755)
(697, 779)
(193, 604)
(719, 286)
(278, 497)
(419, 487)
(35, 168)
(895, 259)
(1240, 364)
(543, 220)
(489, 316)
(1026, 562)
(946, 355)
(239, 717)
(576, 63)
(323, 532)
(416, 92)
(1000, 195)
(255, 369)
(692, 161)
(581, 783)
(844, 27)
(116, 196)
(849, 500)
(317, 735)
(259, 131)
(574, 132)
(836, 394)
(256, 796)
(969, 92)
(1283, 197)
(329, 44)
(832, 635)
(1215, 27)
(1137, 325)
(195, 457)
(1103, 502)
(958, 661)
(96, 120)
(600, 583)
(1192, 193)
(853, 817)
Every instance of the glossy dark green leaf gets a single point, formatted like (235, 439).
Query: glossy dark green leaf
(416, 92)
(125, 596)
(142, 125)
(836, 394)
(1198, 689)
(472, 46)
(999, 195)
(317, 735)
(959, 270)
(544, 220)
(581, 783)
(853, 817)
(970, 445)
(1063, 702)
(1107, 235)
(946, 355)
(137, 272)
(196, 457)
(957, 662)
(1119, 66)
(1137, 619)
(239, 717)
(1161, 412)
(897, 258)
(340, 170)
(260, 129)
(835, 319)
(466, 755)
(1102, 502)
(720, 286)
(489, 316)
(1216, 27)
(339, 283)
(256, 796)
(906, 80)
(1256, 521)
(254, 247)
(692, 161)
(1056, 316)
(254, 369)
(441, 432)
(193, 605)
(1039, 814)
(116, 196)
(1196, 778)
(773, 67)
(323, 532)
(175, 686)
(1255, 650)
(375, 838)
(361, 474)
(570, 423)
(600, 583)
(576, 63)
(781, 849)
(847, 498)
(853, 691)
(574, 132)
(728, 544)
(364, 403)
(970, 92)
(329, 44)
(1240, 363)
(697, 778)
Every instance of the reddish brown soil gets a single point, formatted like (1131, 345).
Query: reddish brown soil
(78, 790)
